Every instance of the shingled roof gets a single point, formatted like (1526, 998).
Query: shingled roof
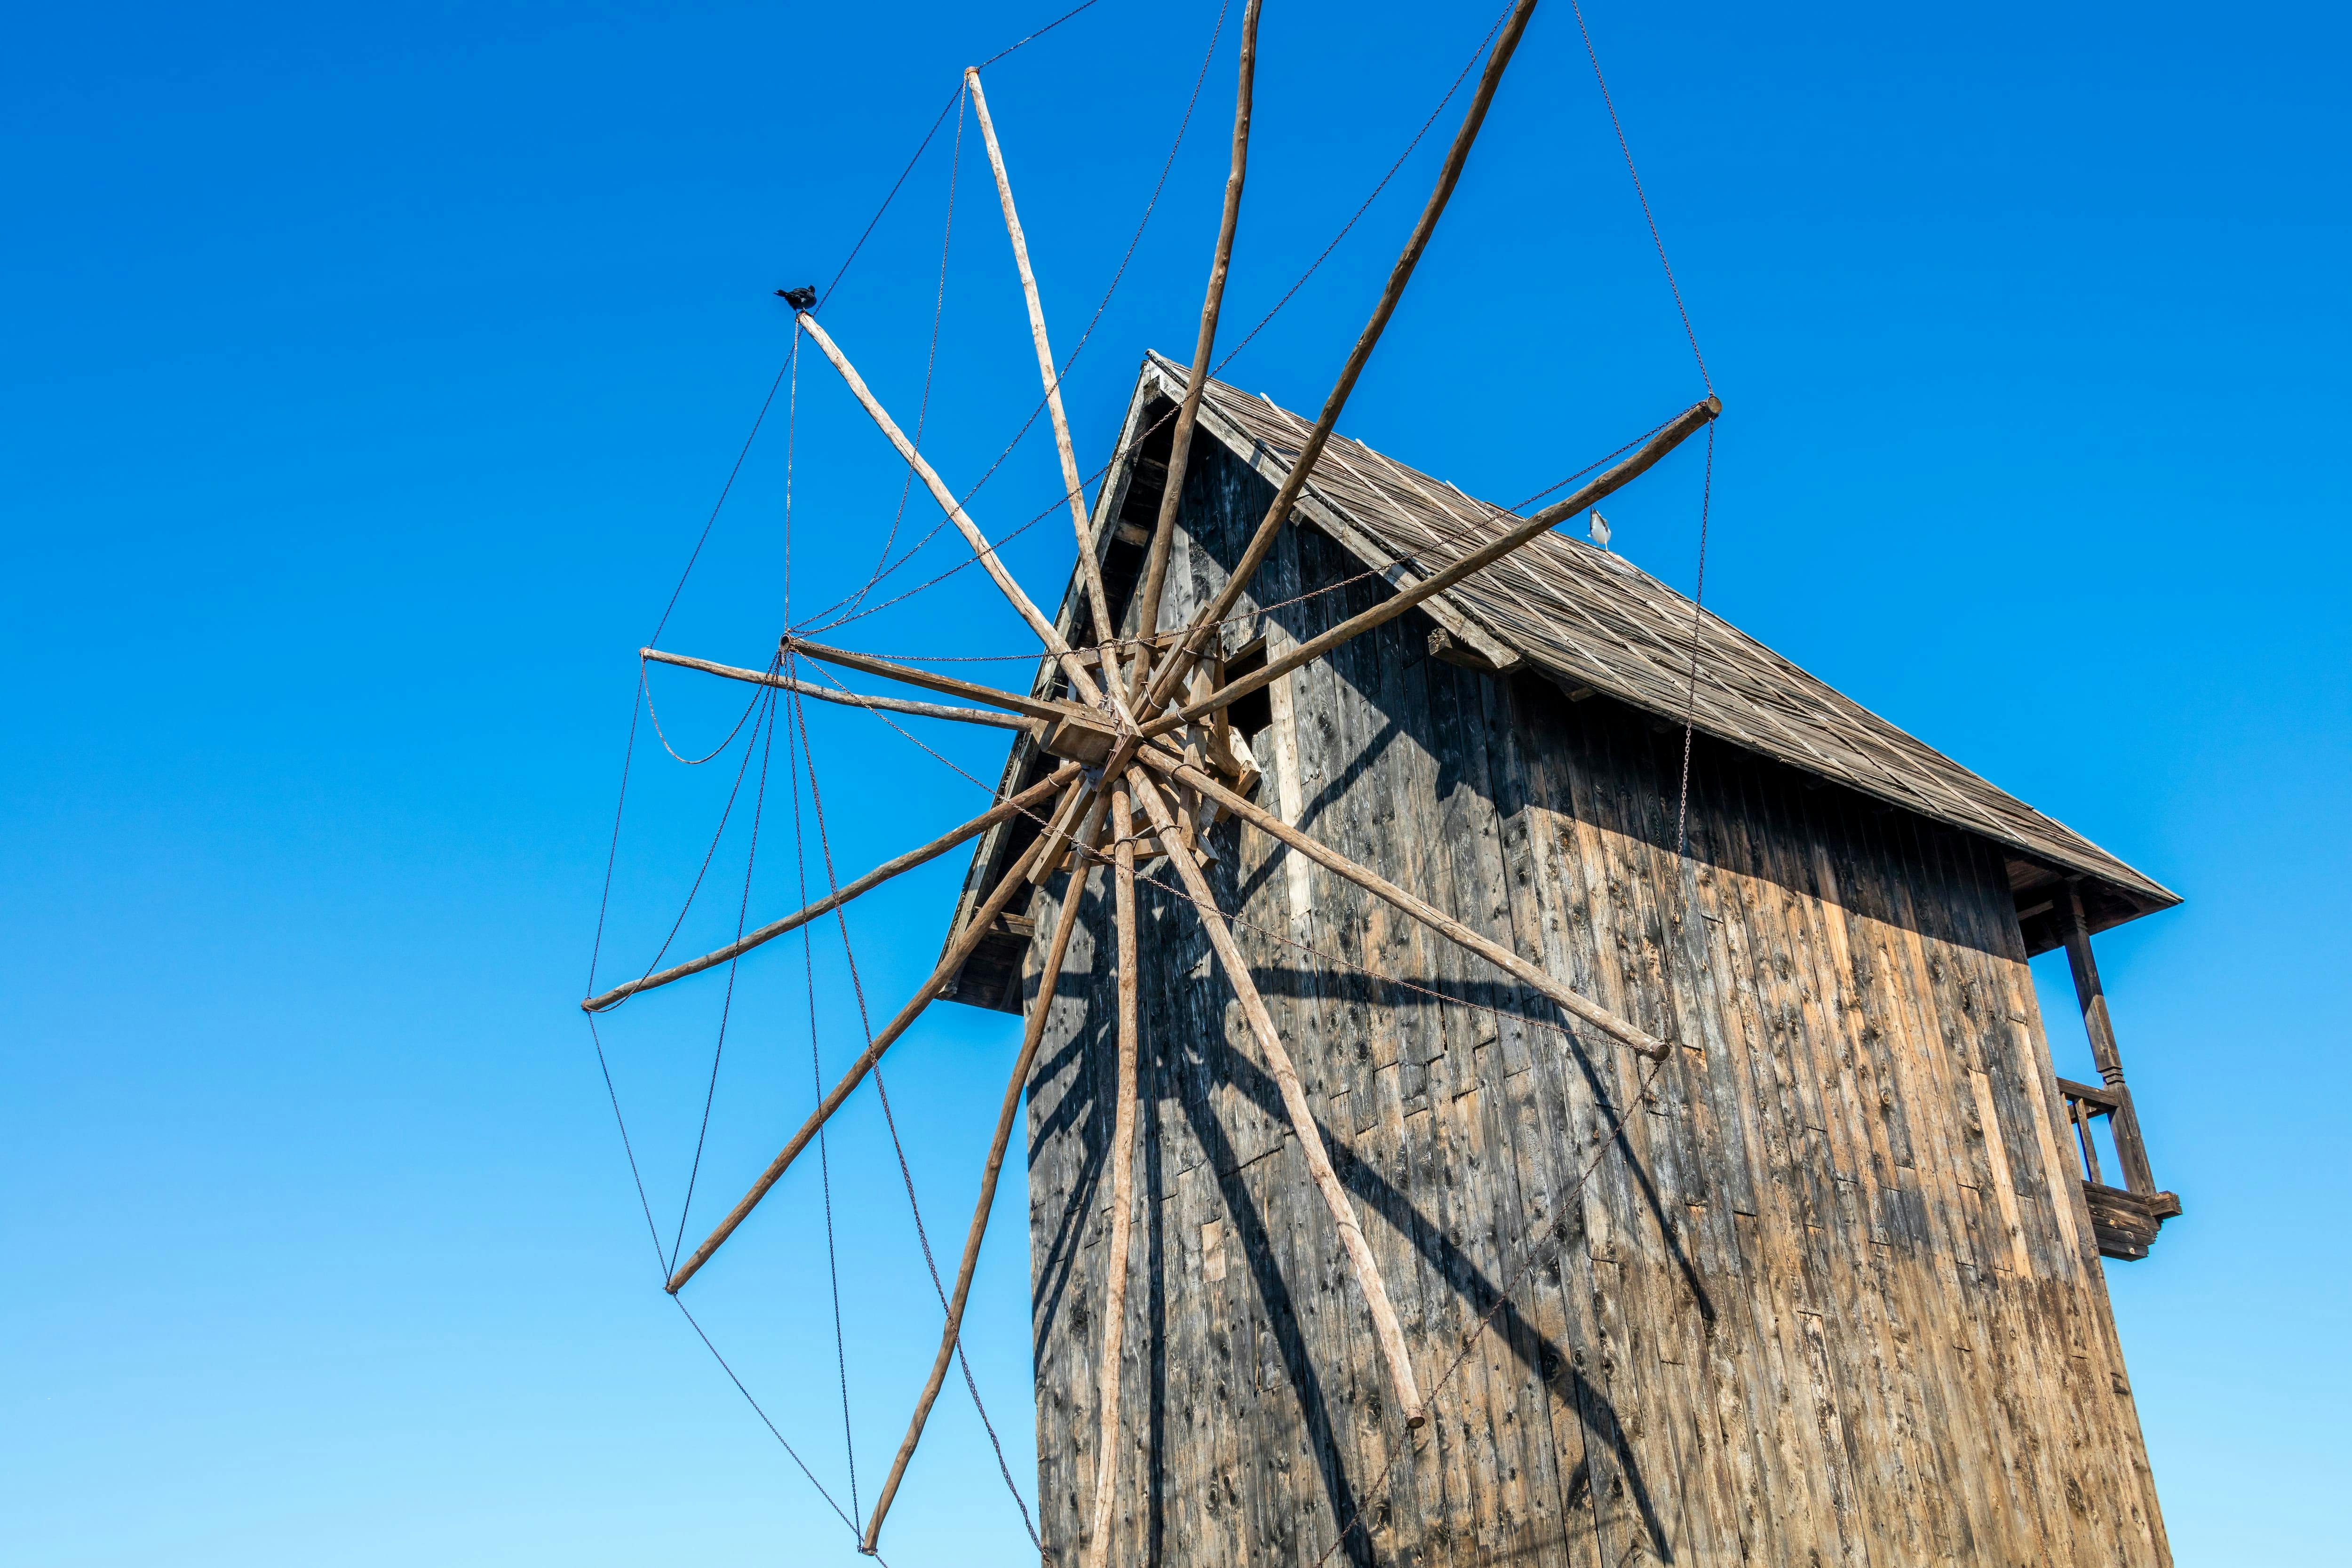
(1591, 619)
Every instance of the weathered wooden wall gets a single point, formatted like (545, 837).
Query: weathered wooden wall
(1828, 1295)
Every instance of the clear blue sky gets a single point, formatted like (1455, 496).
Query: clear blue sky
(369, 374)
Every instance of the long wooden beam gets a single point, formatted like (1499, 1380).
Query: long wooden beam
(1155, 566)
(1428, 914)
(1676, 431)
(1090, 568)
(1007, 1115)
(1014, 880)
(1080, 681)
(1448, 174)
(845, 699)
(1044, 708)
(1294, 1100)
(1012, 805)
(1122, 1166)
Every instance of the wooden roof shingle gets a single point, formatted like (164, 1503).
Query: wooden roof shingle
(1589, 618)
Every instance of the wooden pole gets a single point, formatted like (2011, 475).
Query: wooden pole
(1009, 806)
(1122, 1167)
(1445, 925)
(1448, 174)
(1014, 880)
(1080, 681)
(1014, 702)
(1089, 567)
(1031, 1035)
(846, 698)
(1155, 567)
(1691, 419)
(1294, 1100)
(2122, 1121)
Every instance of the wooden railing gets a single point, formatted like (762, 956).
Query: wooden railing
(2125, 1218)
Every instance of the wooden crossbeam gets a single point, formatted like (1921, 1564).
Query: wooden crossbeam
(1294, 1098)
(1044, 708)
(845, 699)
(1007, 1115)
(1448, 174)
(1679, 429)
(1436, 920)
(1122, 1174)
(1089, 567)
(1155, 565)
(1048, 633)
(1012, 805)
(975, 931)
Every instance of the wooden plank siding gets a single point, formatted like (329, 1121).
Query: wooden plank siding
(1821, 1288)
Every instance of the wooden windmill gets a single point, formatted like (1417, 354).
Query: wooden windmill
(1513, 1068)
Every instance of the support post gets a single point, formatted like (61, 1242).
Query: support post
(2122, 1121)
(1122, 1171)
(1385, 1326)
(1008, 1113)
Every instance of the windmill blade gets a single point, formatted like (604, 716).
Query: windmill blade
(1080, 681)
(1262, 542)
(1013, 805)
(1035, 1031)
(844, 697)
(1294, 1101)
(1014, 879)
(1155, 566)
(1089, 567)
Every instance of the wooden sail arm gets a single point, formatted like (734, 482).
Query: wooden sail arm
(1679, 429)
(1436, 920)
(1050, 708)
(1034, 1032)
(1013, 805)
(981, 549)
(846, 698)
(1015, 880)
(1122, 1178)
(1449, 173)
(1155, 565)
(1089, 566)
(1386, 1327)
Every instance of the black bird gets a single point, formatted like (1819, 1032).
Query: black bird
(800, 298)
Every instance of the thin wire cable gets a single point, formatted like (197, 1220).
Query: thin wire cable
(793, 748)
(1060, 375)
(867, 232)
(727, 1004)
(652, 1231)
(1024, 43)
(724, 491)
(771, 1425)
(891, 1120)
(663, 736)
(1367, 207)
(1642, 195)
(930, 358)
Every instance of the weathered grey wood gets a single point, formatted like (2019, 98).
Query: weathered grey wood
(1122, 1165)
(1906, 1352)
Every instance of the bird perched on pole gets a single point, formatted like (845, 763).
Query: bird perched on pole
(800, 298)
